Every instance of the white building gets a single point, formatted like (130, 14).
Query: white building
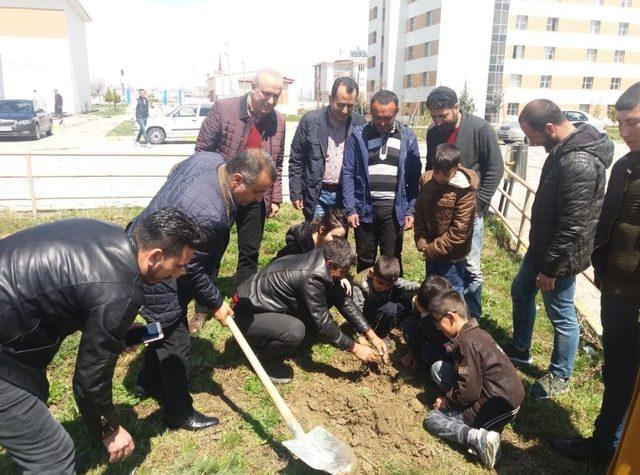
(43, 47)
(325, 73)
(578, 53)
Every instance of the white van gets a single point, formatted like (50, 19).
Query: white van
(183, 121)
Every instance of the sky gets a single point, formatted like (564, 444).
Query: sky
(174, 43)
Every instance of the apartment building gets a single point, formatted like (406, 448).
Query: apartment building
(354, 65)
(578, 53)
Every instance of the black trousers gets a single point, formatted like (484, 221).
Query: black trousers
(30, 434)
(165, 372)
(250, 226)
(384, 232)
(273, 336)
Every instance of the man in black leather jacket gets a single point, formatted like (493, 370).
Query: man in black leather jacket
(59, 278)
(293, 294)
(563, 221)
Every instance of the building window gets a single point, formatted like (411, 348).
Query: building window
(599, 2)
(409, 80)
(549, 52)
(360, 67)
(625, 3)
(615, 83)
(427, 49)
(429, 18)
(516, 80)
(623, 29)
(521, 22)
(594, 27)
(583, 108)
(552, 24)
(411, 52)
(371, 84)
(618, 56)
(412, 24)
(513, 108)
(371, 62)
(592, 55)
(373, 13)
(425, 78)
(545, 82)
(587, 82)
(518, 52)
(373, 37)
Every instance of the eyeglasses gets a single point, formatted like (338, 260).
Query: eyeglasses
(437, 320)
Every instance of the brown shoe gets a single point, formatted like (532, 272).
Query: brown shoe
(197, 321)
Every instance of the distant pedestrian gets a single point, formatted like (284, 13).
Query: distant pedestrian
(142, 113)
(58, 106)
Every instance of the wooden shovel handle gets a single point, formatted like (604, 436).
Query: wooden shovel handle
(286, 413)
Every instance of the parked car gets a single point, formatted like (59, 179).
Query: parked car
(24, 118)
(183, 121)
(579, 118)
(511, 132)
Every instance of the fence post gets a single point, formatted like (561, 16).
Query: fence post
(523, 220)
(32, 192)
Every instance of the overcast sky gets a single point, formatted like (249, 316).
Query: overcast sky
(172, 43)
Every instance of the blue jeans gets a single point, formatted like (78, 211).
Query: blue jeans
(326, 200)
(453, 272)
(473, 276)
(621, 345)
(142, 123)
(560, 309)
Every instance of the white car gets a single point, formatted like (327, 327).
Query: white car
(511, 132)
(578, 118)
(182, 122)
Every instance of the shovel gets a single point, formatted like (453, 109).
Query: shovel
(317, 448)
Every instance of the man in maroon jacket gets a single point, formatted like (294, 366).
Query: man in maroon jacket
(239, 123)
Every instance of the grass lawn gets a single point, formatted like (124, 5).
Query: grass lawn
(107, 110)
(123, 129)
(379, 411)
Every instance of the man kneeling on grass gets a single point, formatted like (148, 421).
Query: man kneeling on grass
(482, 390)
(292, 295)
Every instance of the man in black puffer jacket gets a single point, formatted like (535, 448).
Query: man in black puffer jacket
(208, 188)
(293, 294)
(59, 278)
(563, 221)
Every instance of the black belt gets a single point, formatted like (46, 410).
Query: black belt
(333, 187)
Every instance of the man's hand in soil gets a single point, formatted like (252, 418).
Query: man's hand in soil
(119, 445)
(379, 345)
(441, 403)
(365, 353)
(222, 313)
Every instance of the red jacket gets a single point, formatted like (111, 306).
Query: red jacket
(226, 128)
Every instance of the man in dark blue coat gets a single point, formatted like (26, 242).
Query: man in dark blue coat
(317, 150)
(208, 189)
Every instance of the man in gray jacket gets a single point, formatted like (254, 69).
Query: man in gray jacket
(317, 150)
(480, 152)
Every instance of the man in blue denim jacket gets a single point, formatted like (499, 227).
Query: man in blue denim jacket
(380, 174)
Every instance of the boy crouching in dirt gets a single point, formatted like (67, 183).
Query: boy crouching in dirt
(383, 296)
(482, 390)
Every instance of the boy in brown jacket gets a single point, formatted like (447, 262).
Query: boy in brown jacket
(482, 390)
(444, 214)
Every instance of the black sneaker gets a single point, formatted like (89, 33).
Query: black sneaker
(278, 372)
(580, 448)
(517, 356)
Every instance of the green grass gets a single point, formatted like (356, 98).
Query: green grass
(248, 440)
(107, 110)
(614, 133)
(125, 128)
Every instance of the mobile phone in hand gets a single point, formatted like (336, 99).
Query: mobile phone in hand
(144, 334)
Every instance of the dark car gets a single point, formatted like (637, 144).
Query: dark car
(24, 118)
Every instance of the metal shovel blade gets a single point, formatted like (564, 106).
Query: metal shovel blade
(322, 450)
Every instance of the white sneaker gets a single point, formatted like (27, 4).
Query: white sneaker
(147, 145)
(487, 447)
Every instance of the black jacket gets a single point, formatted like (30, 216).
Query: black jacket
(142, 108)
(300, 285)
(484, 374)
(59, 278)
(308, 152)
(194, 188)
(611, 207)
(298, 240)
(568, 202)
(478, 144)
